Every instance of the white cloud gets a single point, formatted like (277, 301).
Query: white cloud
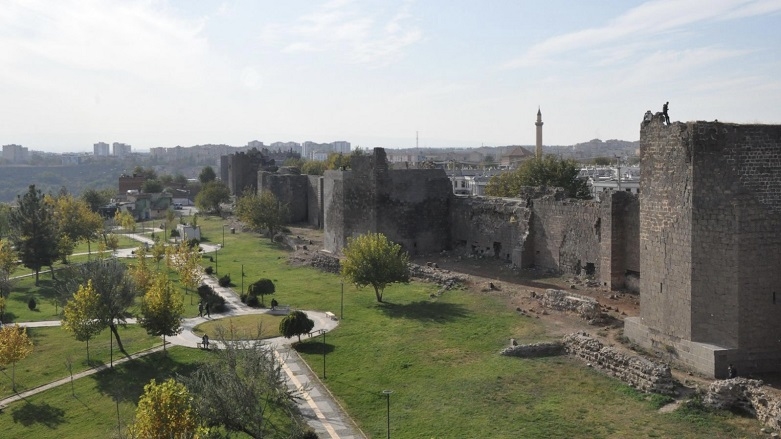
(648, 24)
(349, 29)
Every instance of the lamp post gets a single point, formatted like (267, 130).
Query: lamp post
(341, 314)
(387, 393)
(216, 264)
(323, 353)
(223, 234)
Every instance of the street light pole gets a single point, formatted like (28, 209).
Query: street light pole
(323, 353)
(341, 314)
(223, 234)
(388, 394)
(216, 264)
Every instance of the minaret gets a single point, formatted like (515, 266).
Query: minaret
(538, 153)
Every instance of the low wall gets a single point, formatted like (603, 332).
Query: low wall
(534, 350)
(638, 372)
(584, 306)
(326, 262)
(445, 278)
(746, 395)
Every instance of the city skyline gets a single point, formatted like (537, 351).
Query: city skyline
(374, 73)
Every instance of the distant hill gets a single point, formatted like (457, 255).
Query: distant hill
(14, 180)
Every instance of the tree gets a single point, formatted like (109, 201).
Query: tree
(96, 199)
(34, 232)
(243, 388)
(140, 270)
(211, 195)
(337, 160)
(207, 175)
(114, 286)
(5, 215)
(261, 212)
(15, 345)
(296, 323)
(158, 253)
(125, 220)
(152, 187)
(162, 308)
(372, 259)
(185, 259)
(75, 222)
(313, 167)
(8, 262)
(261, 288)
(165, 411)
(601, 161)
(547, 171)
(81, 314)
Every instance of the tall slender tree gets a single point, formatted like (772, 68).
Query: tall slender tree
(162, 308)
(81, 314)
(34, 231)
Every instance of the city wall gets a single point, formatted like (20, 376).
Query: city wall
(710, 202)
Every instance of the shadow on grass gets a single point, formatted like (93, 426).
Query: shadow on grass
(29, 414)
(440, 312)
(126, 382)
(313, 346)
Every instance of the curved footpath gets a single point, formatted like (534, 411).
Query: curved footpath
(322, 413)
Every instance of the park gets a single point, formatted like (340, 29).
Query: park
(437, 352)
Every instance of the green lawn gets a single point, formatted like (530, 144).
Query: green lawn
(242, 327)
(53, 347)
(438, 356)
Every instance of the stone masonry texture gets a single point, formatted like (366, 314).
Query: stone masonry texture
(710, 211)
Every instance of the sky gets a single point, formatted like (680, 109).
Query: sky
(377, 73)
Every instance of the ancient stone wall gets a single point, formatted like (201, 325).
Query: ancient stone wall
(710, 214)
(584, 306)
(565, 236)
(535, 350)
(290, 189)
(620, 241)
(490, 227)
(314, 199)
(746, 395)
(242, 169)
(638, 372)
(411, 207)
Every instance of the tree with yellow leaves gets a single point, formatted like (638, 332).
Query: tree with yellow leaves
(186, 261)
(125, 220)
(162, 308)
(81, 314)
(165, 411)
(15, 346)
(140, 271)
(8, 262)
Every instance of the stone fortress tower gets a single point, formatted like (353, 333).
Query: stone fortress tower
(538, 151)
(710, 247)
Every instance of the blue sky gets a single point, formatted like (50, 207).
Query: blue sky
(461, 73)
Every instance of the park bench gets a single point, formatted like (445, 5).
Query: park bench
(280, 310)
(331, 315)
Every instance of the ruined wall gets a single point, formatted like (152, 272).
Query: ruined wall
(314, 199)
(290, 190)
(665, 228)
(491, 227)
(620, 241)
(411, 207)
(638, 372)
(565, 236)
(710, 214)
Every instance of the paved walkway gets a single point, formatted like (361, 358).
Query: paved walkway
(322, 413)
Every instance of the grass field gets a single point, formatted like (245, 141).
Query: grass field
(241, 327)
(438, 356)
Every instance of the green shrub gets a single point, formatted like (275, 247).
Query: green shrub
(208, 296)
(209, 270)
(225, 281)
(32, 303)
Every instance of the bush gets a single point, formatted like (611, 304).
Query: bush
(192, 243)
(253, 301)
(215, 301)
(32, 303)
(260, 288)
(174, 233)
(209, 270)
(225, 281)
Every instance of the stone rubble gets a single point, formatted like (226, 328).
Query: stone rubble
(586, 307)
(534, 350)
(642, 374)
(746, 395)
